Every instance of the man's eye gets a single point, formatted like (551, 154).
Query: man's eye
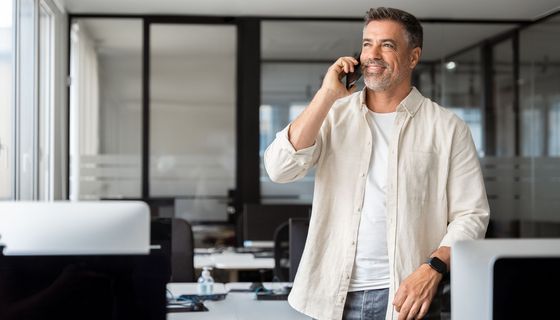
(389, 45)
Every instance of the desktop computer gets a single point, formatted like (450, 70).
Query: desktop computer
(503, 279)
(80, 260)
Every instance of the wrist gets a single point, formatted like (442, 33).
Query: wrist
(433, 274)
(330, 95)
(437, 265)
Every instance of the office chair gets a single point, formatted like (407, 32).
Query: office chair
(175, 237)
(298, 235)
(182, 251)
(282, 252)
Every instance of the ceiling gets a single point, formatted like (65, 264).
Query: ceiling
(304, 40)
(449, 9)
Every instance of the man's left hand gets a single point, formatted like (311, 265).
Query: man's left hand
(416, 292)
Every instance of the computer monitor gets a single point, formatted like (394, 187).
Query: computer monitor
(261, 220)
(196, 210)
(66, 228)
(504, 279)
(71, 260)
(298, 235)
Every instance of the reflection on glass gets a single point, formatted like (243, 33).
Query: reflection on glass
(461, 91)
(45, 103)
(503, 99)
(105, 108)
(540, 122)
(6, 87)
(539, 94)
(192, 111)
(26, 104)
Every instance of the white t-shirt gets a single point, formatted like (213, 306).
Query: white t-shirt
(371, 265)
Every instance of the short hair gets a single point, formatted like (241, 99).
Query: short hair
(408, 21)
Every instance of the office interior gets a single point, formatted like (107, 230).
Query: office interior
(173, 103)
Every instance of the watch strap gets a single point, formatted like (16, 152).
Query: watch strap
(437, 264)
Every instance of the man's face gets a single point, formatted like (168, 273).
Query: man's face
(387, 58)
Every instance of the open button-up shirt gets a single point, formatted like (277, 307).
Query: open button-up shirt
(435, 195)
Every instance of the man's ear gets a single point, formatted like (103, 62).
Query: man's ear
(415, 57)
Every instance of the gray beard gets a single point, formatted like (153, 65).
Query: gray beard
(377, 84)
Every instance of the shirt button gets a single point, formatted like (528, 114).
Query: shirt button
(353, 242)
(363, 174)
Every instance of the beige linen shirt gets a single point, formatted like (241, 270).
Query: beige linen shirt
(435, 195)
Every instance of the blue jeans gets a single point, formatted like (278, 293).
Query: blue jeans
(369, 304)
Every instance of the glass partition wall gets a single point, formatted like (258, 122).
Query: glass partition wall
(500, 78)
(153, 114)
(105, 108)
(539, 99)
(192, 117)
(294, 58)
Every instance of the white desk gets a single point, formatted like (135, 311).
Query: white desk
(233, 262)
(237, 305)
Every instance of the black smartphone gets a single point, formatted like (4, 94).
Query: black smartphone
(353, 77)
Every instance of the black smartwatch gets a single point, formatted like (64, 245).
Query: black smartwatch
(437, 264)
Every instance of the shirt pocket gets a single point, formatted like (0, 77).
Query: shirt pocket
(421, 176)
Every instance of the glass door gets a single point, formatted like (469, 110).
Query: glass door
(192, 118)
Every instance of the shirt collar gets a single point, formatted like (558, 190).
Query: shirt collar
(410, 104)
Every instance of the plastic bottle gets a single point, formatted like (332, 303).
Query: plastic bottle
(205, 282)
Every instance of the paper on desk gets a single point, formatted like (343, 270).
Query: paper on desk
(179, 288)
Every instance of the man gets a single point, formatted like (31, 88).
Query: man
(397, 183)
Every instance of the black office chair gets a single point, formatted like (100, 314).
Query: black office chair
(282, 252)
(175, 237)
(182, 251)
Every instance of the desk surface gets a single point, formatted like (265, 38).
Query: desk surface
(232, 260)
(237, 305)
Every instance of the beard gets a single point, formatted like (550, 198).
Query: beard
(379, 81)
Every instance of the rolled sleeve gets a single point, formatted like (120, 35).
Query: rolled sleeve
(283, 163)
(468, 210)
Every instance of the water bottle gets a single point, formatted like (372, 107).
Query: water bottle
(205, 282)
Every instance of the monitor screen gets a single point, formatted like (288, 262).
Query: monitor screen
(520, 287)
(67, 228)
(489, 278)
(91, 287)
(261, 220)
(298, 236)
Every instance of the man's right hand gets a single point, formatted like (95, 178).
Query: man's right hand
(337, 71)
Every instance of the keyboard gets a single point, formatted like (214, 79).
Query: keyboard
(271, 296)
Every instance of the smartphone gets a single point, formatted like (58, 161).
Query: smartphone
(353, 77)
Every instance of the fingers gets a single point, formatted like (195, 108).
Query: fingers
(413, 309)
(423, 310)
(405, 309)
(336, 72)
(346, 64)
(413, 312)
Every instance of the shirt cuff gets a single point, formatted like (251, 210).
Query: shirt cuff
(286, 145)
